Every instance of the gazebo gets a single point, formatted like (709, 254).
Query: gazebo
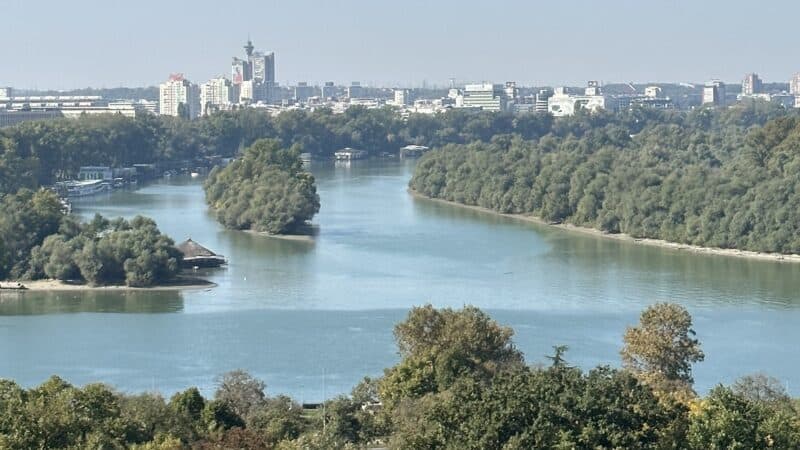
(195, 255)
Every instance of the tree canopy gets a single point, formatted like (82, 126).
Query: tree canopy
(265, 190)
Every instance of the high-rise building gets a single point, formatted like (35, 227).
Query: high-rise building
(218, 94)
(328, 90)
(240, 71)
(263, 65)
(178, 97)
(541, 99)
(794, 84)
(6, 92)
(303, 91)
(487, 96)
(714, 93)
(402, 97)
(355, 90)
(751, 84)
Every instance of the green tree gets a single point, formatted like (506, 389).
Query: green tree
(662, 348)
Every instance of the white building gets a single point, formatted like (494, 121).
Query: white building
(714, 93)
(402, 97)
(751, 84)
(218, 94)
(487, 96)
(562, 103)
(794, 85)
(179, 96)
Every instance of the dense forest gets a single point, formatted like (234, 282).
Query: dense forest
(460, 384)
(727, 179)
(37, 240)
(265, 190)
(34, 154)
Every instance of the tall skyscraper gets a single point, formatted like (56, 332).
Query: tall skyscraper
(751, 84)
(328, 90)
(255, 75)
(178, 97)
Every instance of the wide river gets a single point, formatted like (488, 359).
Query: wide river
(312, 319)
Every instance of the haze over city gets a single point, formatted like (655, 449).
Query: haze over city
(108, 44)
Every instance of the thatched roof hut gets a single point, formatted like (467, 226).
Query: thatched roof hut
(195, 255)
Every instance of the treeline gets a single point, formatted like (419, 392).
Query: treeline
(37, 240)
(460, 384)
(33, 154)
(726, 179)
(265, 190)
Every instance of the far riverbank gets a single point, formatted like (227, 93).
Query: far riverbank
(179, 284)
(791, 258)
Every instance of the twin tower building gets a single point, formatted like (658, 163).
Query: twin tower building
(252, 80)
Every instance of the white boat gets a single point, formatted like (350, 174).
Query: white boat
(85, 188)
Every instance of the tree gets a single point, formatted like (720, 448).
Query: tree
(662, 348)
(438, 346)
(241, 392)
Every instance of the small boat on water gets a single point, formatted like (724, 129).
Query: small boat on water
(349, 154)
(74, 189)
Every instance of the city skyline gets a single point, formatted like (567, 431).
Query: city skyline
(422, 43)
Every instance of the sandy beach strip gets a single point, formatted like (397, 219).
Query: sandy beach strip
(180, 284)
(779, 257)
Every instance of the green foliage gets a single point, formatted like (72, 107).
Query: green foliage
(439, 346)
(266, 190)
(490, 400)
(724, 179)
(662, 348)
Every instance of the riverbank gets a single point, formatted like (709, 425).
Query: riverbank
(778, 257)
(306, 234)
(180, 284)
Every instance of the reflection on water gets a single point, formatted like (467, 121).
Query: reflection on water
(63, 302)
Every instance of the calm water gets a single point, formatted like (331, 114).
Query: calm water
(312, 319)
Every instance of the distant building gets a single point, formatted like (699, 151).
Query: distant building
(714, 93)
(328, 90)
(178, 96)
(794, 85)
(87, 173)
(540, 103)
(218, 94)
(258, 69)
(240, 71)
(6, 92)
(302, 92)
(751, 84)
(487, 96)
(563, 103)
(402, 97)
(355, 90)
(652, 91)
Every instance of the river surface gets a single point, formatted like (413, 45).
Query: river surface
(313, 318)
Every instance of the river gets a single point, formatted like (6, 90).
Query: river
(312, 319)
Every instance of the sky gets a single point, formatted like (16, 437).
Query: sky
(56, 44)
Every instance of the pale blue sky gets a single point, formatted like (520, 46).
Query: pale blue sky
(107, 43)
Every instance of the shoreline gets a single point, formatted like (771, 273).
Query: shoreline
(180, 284)
(300, 237)
(660, 243)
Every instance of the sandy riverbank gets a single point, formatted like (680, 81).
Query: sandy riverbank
(624, 237)
(307, 236)
(180, 284)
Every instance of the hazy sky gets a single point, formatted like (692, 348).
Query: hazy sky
(108, 43)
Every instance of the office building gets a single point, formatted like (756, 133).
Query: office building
(563, 103)
(218, 94)
(751, 84)
(540, 103)
(355, 90)
(302, 92)
(714, 93)
(402, 97)
(254, 75)
(179, 97)
(487, 96)
(794, 85)
(328, 90)
(6, 92)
